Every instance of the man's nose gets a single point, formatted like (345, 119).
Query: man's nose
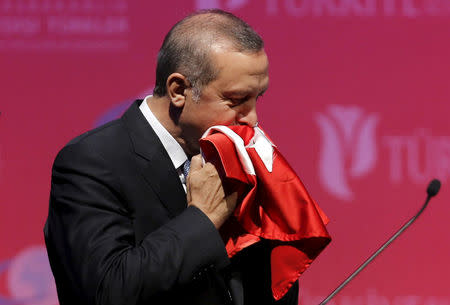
(247, 114)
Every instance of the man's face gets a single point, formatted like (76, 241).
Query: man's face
(230, 99)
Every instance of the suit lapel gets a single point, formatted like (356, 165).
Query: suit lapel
(157, 168)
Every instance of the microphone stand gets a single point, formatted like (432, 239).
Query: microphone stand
(432, 190)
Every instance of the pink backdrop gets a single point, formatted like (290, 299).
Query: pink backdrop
(359, 103)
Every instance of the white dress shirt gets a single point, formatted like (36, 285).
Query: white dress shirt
(174, 150)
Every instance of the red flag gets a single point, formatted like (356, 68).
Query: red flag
(274, 204)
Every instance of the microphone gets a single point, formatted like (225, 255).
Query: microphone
(432, 190)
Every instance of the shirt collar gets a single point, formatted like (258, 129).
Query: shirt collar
(173, 148)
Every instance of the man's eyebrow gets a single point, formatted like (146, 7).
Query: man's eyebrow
(244, 92)
(238, 92)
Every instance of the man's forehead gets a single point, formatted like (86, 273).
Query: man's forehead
(255, 62)
(243, 86)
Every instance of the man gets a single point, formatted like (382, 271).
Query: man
(124, 224)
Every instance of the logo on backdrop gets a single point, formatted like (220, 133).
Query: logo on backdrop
(61, 25)
(348, 150)
(224, 4)
(29, 278)
(337, 8)
(418, 157)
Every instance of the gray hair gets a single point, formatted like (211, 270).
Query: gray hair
(186, 48)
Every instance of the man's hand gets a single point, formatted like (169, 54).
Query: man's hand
(205, 191)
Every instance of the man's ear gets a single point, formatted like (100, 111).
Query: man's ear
(176, 89)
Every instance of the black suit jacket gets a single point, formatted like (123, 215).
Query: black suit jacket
(119, 230)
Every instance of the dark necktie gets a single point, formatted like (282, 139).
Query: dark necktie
(186, 166)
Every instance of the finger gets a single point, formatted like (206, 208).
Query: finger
(188, 195)
(196, 163)
(232, 199)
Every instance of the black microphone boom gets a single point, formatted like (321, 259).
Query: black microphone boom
(432, 190)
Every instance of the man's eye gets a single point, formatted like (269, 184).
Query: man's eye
(238, 101)
(235, 102)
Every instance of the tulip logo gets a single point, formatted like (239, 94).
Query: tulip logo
(348, 148)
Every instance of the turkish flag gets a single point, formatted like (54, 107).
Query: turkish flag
(273, 202)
